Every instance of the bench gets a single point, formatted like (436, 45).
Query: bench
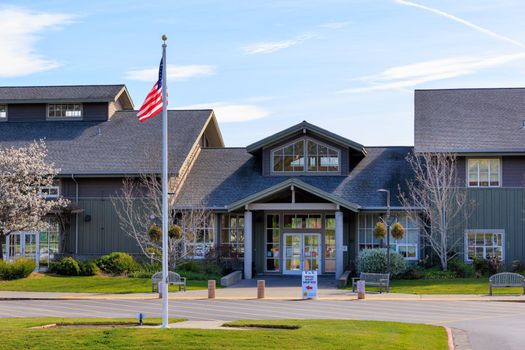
(372, 279)
(506, 279)
(343, 280)
(173, 278)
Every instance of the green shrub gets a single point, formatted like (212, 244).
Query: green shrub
(439, 274)
(191, 266)
(146, 270)
(461, 268)
(374, 261)
(66, 266)
(19, 268)
(88, 268)
(518, 266)
(412, 273)
(481, 266)
(117, 263)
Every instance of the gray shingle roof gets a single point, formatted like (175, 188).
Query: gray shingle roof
(221, 176)
(470, 120)
(79, 93)
(121, 145)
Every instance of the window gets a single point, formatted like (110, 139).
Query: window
(49, 242)
(366, 224)
(310, 221)
(484, 244)
(484, 172)
(232, 234)
(69, 110)
(273, 230)
(408, 246)
(3, 112)
(50, 191)
(200, 236)
(329, 244)
(292, 157)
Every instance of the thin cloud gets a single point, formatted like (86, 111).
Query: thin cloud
(423, 72)
(334, 25)
(462, 21)
(227, 112)
(267, 47)
(175, 72)
(18, 34)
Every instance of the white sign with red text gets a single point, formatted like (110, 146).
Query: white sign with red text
(309, 282)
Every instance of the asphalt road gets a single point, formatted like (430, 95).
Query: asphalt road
(490, 325)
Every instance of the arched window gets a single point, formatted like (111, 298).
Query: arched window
(305, 155)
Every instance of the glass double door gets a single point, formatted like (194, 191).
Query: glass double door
(302, 253)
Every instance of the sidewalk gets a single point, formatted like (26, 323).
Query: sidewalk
(276, 293)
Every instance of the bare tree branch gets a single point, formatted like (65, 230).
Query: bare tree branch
(442, 202)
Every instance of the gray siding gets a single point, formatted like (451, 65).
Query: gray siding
(512, 170)
(32, 112)
(26, 112)
(102, 234)
(91, 187)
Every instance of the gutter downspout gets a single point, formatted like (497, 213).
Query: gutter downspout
(76, 215)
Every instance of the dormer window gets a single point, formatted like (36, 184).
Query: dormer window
(305, 155)
(64, 110)
(3, 112)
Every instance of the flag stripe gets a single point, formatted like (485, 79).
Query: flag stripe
(152, 104)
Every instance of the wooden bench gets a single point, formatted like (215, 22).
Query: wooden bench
(506, 279)
(343, 280)
(373, 279)
(173, 278)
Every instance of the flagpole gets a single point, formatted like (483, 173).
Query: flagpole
(164, 190)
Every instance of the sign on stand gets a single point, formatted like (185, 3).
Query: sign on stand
(309, 282)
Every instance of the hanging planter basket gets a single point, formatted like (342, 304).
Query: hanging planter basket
(380, 231)
(397, 230)
(175, 232)
(155, 233)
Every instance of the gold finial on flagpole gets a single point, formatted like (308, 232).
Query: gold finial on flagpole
(164, 37)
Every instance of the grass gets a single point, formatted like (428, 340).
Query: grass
(312, 334)
(38, 282)
(446, 286)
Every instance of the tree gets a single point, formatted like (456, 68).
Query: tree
(23, 172)
(139, 210)
(436, 200)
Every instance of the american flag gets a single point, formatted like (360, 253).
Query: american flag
(152, 104)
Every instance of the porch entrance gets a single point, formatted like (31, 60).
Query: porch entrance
(302, 253)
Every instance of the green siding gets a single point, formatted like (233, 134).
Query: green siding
(499, 208)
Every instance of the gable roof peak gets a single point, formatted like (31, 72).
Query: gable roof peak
(301, 128)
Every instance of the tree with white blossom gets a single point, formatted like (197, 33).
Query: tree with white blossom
(24, 171)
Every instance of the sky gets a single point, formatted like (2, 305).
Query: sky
(347, 66)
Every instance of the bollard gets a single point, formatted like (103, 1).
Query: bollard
(159, 288)
(261, 284)
(360, 289)
(211, 289)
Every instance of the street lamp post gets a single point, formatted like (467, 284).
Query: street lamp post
(387, 228)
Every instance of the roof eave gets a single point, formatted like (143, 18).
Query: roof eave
(299, 184)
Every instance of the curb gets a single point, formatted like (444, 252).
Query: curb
(450, 338)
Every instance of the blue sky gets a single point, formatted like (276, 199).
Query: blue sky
(348, 66)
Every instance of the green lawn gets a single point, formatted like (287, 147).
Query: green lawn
(93, 284)
(448, 286)
(16, 334)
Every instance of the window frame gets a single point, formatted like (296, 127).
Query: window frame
(238, 245)
(208, 229)
(49, 117)
(394, 245)
(305, 170)
(500, 174)
(274, 244)
(4, 119)
(50, 196)
(483, 231)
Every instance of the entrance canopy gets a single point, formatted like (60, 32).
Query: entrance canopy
(267, 199)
